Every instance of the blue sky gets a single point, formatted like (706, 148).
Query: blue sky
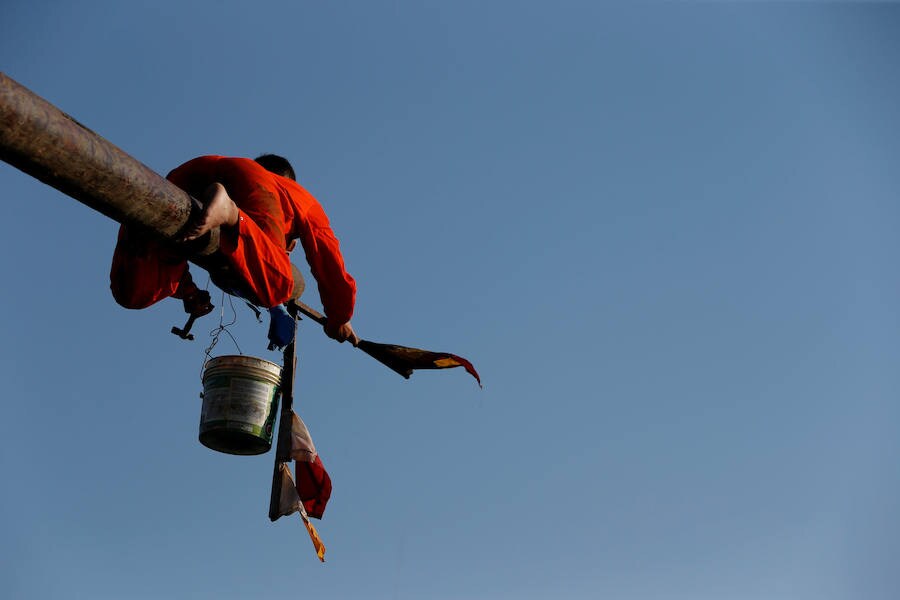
(664, 233)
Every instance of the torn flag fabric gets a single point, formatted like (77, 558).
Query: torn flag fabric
(290, 503)
(289, 500)
(405, 360)
(313, 482)
(313, 486)
(302, 447)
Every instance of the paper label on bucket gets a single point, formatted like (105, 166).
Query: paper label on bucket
(243, 400)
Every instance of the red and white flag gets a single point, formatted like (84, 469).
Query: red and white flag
(312, 489)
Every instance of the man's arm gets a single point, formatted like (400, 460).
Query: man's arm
(337, 288)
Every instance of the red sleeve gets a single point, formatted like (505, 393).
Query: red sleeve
(337, 288)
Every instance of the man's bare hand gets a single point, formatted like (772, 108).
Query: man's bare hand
(342, 333)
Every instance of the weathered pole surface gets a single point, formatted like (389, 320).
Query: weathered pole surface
(285, 419)
(39, 139)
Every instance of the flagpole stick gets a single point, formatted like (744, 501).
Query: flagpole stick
(371, 348)
(309, 312)
(283, 442)
(399, 359)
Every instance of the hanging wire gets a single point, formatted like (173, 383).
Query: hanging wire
(216, 333)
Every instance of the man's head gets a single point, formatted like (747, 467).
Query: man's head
(277, 164)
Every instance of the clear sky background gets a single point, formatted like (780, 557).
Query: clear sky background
(666, 235)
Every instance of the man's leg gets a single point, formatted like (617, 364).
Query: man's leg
(143, 271)
(299, 283)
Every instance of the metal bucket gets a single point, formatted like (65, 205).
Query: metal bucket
(240, 395)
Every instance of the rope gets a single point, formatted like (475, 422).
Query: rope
(216, 333)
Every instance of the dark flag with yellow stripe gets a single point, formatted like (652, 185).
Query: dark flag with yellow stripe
(400, 359)
(404, 360)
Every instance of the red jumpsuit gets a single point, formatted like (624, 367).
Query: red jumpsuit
(274, 210)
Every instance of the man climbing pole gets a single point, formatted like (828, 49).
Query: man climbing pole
(261, 212)
(45, 143)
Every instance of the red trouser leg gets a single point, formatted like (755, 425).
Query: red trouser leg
(143, 271)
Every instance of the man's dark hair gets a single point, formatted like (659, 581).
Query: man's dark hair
(277, 164)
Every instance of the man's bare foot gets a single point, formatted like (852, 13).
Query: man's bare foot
(218, 210)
